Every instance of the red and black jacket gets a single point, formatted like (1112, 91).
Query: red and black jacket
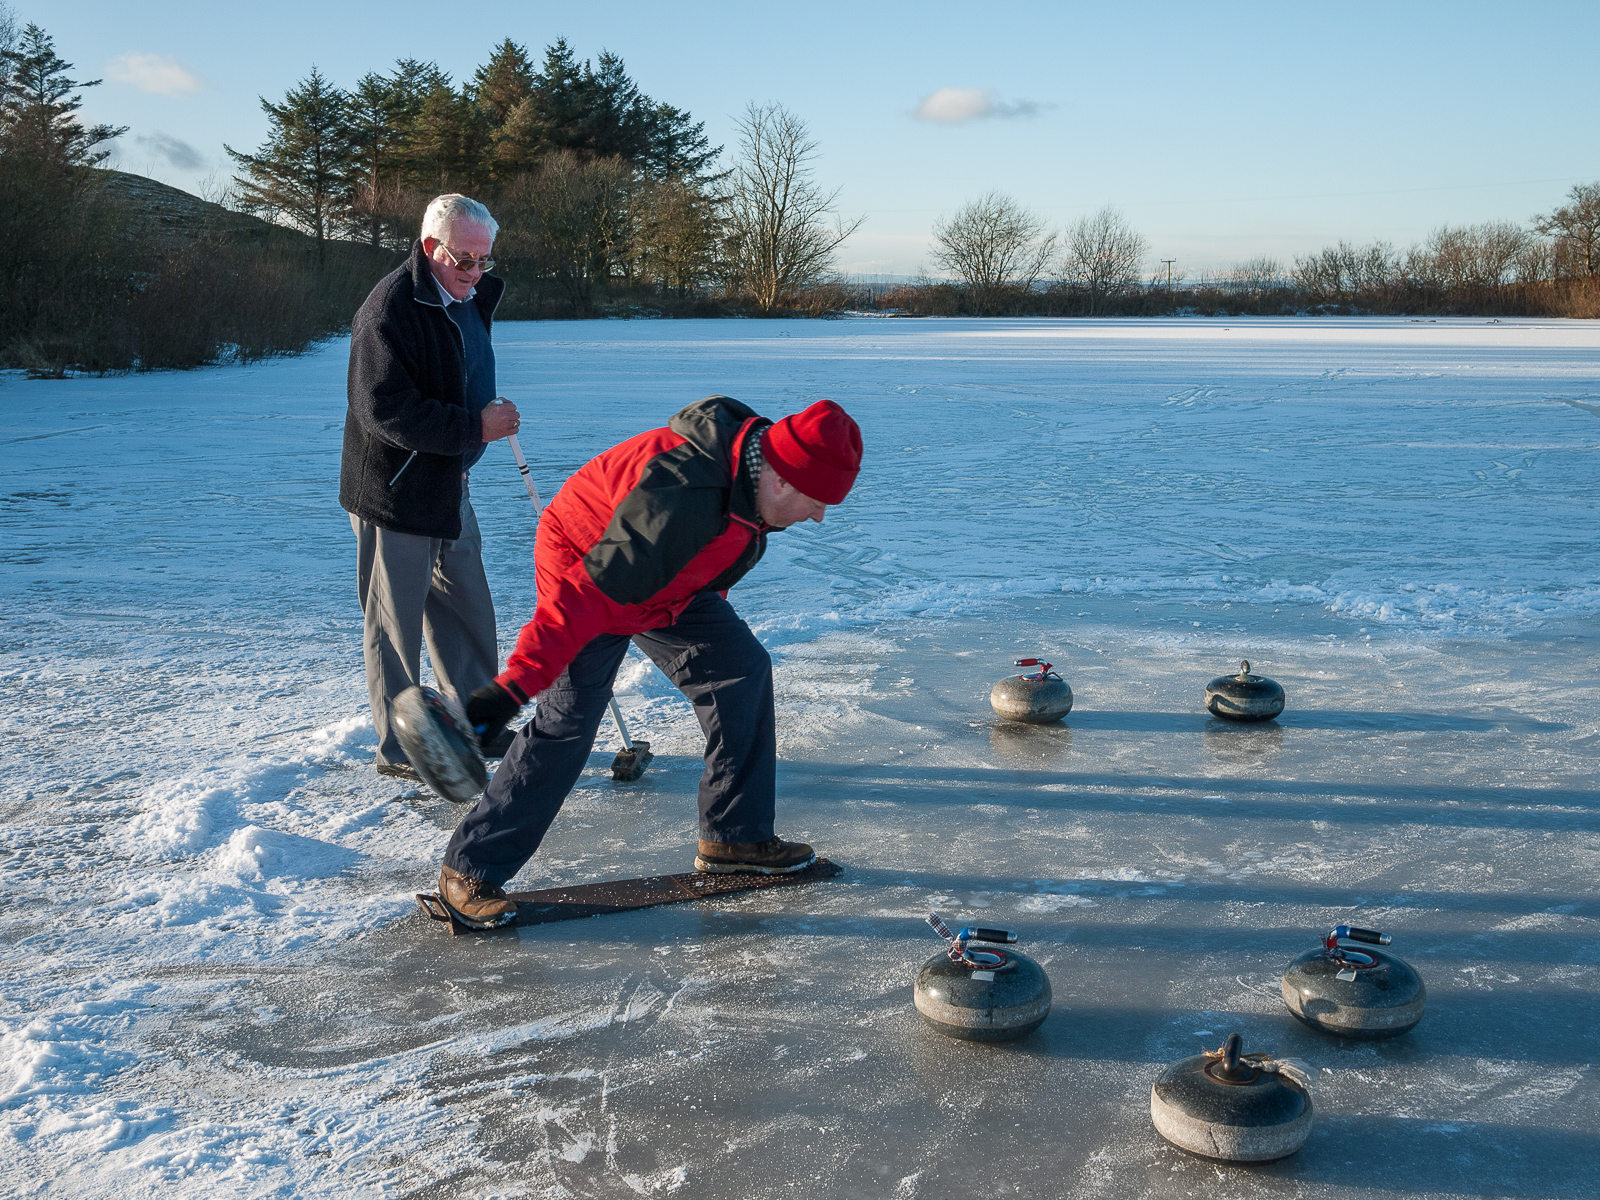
(636, 533)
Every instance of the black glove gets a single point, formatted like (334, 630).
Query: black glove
(489, 709)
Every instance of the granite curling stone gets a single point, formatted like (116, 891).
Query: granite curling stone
(981, 994)
(1354, 993)
(1037, 699)
(1244, 697)
(1233, 1107)
(439, 744)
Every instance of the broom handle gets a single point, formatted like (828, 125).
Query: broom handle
(527, 475)
(616, 715)
(538, 507)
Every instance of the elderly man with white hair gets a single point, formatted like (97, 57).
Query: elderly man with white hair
(422, 410)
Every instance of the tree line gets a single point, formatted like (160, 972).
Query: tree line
(597, 188)
(608, 201)
(999, 257)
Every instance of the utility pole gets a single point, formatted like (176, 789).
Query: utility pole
(1169, 262)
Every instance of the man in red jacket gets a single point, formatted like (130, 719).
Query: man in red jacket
(642, 544)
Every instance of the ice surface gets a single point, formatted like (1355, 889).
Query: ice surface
(216, 982)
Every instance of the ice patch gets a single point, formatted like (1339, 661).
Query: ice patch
(661, 1181)
(1119, 875)
(1052, 903)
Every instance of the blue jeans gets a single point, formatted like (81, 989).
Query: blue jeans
(715, 661)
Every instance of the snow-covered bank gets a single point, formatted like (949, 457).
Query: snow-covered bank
(212, 982)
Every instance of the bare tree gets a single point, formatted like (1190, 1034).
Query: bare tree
(570, 217)
(777, 241)
(1256, 274)
(678, 234)
(1342, 270)
(1577, 225)
(1104, 255)
(996, 246)
(1537, 261)
(1483, 255)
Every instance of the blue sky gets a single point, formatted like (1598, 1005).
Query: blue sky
(1222, 131)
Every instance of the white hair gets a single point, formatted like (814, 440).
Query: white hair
(445, 212)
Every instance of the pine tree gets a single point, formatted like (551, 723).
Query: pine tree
(504, 92)
(560, 97)
(504, 82)
(303, 171)
(377, 115)
(449, 142)
(601, 112)
(676, 145)
(37, 106)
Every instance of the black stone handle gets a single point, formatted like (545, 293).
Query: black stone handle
(1232, 1069)
(970, 934)
(1370, 936)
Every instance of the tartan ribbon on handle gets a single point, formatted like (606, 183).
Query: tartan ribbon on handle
(957, 950)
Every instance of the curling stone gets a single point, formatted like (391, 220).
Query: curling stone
(1244, 697)
(439, 744)
(1037, 699)
(981, 995)
(1354, 993)
(1225, 1105)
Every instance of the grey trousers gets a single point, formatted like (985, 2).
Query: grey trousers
(413, 588)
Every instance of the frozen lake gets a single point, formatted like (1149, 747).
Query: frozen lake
(217, 982)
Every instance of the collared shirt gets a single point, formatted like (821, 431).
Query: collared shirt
(446, 297)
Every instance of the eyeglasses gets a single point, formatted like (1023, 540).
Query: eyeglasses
(466, 262)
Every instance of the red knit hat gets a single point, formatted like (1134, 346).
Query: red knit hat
(817, 451)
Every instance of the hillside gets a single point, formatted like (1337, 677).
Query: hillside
(175, 216)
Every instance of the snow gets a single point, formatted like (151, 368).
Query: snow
(217, 981)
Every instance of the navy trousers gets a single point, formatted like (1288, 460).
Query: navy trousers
(714, 659)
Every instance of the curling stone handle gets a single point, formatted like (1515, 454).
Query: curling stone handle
(1370, 936)
(1230, 1054)
(970, 934)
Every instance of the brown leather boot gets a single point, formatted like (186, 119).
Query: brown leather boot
(771, 857)
(476, 902)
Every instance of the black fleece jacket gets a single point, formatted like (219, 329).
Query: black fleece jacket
(407, 390)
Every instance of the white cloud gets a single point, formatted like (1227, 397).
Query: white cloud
(154, 73)
(953, 105)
